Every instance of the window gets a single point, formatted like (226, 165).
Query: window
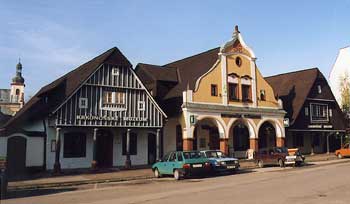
(113, 97)
(330, 113)
(133, 144)
(262, 95)
(165, 157)
(238, 61)
(306, 111)
(115, 71)
(179, 156)
(319, 89)
(319, 112)
(17, 92)
(246, 95)
(233, 91)
(141, 105)
(172, 157)
(83, 103)
(74, 145)
(214, 90)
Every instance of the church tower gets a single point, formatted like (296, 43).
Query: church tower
(17, 86)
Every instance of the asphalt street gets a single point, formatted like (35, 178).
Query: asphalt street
(311, 184)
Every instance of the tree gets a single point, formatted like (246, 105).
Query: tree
(345, 92)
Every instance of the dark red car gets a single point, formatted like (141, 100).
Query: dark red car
(271, 156)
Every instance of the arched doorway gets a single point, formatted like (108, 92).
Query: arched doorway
(104, 149)
(206, 135)
(239, 140)
(267, 135)
(16, 156)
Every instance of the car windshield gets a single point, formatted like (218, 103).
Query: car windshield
(192, 155)
(214, 154)
(281, 150)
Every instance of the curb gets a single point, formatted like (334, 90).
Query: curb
(75, 183)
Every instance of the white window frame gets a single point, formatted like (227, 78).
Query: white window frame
(319, 89)
(330, 112)
(311, 113)
(115, 71)
(141, 106)
(81, 105)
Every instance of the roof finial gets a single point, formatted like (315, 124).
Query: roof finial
(235, 32)
(236, 29)
(19, 59)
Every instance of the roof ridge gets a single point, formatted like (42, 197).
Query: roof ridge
(195, 55)
(292, 72)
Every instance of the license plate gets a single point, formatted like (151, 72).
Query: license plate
(231, 167)
(197, 165)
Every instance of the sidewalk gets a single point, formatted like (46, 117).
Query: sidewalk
(126, 175)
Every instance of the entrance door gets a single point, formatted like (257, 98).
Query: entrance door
(16, 156)
(104, 149)
(152, 148)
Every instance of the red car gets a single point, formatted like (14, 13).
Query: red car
(271, 156)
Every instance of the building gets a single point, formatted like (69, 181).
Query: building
(99, 115)
(11, 100)
(217, 99)
(316, 123)
(339, 73)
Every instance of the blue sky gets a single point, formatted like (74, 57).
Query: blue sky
(53, 37)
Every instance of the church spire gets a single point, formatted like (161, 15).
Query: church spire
(18, 79)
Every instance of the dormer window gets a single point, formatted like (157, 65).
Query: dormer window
(232, 80)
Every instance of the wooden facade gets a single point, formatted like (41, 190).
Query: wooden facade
(112, 96)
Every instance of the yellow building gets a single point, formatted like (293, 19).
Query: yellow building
(217, 99)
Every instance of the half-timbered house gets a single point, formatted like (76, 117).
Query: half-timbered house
(98, 115)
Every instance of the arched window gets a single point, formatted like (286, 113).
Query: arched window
(17, 92)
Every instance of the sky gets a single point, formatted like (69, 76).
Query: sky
(54, 37)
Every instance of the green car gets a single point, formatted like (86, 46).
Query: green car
(180, 164)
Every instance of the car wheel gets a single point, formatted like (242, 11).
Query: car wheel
(177, 175)
(156, 173)
(281, 163)
(260, 164)
(340, 156)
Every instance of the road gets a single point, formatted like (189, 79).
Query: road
(313, 184)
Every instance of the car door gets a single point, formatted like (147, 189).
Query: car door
(170, 166)
(346, 150)
(162, 167)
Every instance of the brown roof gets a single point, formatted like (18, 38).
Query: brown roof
(185, 71)
(298, 82)
(190, 69)
(159, 73)
(65, 86)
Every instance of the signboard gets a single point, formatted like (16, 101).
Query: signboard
(286, 122)
(318, 126)
(241, 116)
(110, 118)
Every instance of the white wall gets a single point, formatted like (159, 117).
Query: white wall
(341, 66)
(169, 135)
(69, 163)
(142, 148)
(34, 149)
